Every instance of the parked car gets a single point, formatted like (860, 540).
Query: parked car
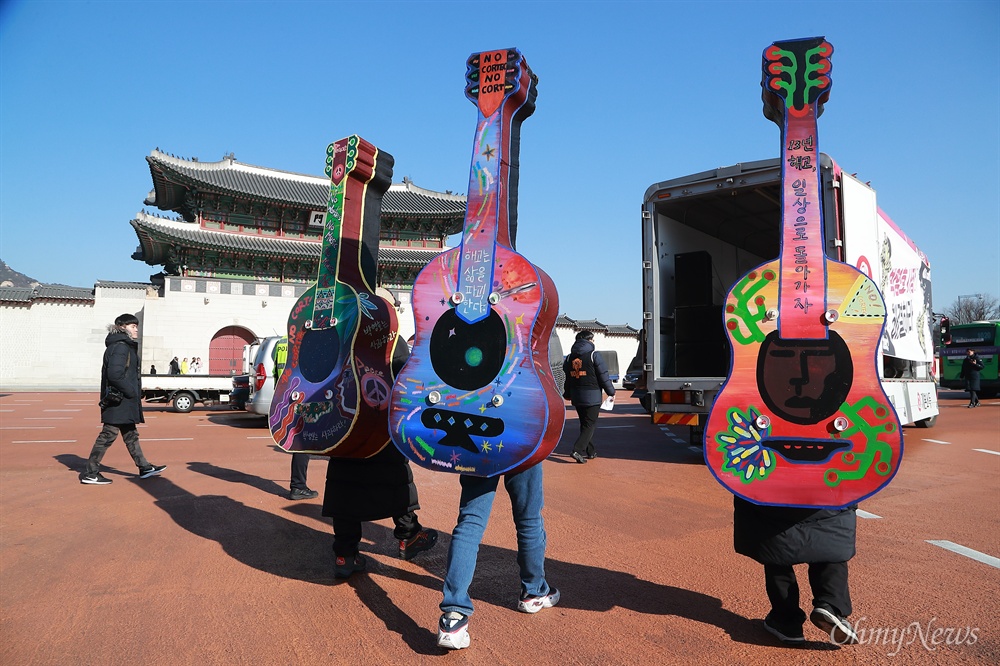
(241, 392)
(262, 377)
(631, 379)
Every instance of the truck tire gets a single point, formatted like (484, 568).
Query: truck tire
(928, 422)
(183, 402)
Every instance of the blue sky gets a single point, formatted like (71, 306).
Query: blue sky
(629, 94)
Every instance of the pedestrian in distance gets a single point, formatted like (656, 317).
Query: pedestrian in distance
(175, 366)
(152, 369)
(120, 404)
(298, 488)
(185, 366)
(972, 366)
(527, 494)
(780, 537)
(586, 376)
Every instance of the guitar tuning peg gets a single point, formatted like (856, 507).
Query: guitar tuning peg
(434, 397)
(762, 422)
(831, 316)
(841, 423)
(308, 324)
(494, 298)
(497, 400)
(771, 314)
(457, 298)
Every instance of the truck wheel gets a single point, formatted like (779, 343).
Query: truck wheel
(928, 422)
(183, 402)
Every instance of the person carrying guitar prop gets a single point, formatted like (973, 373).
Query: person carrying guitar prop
(366, 489)
(343, 352)
(781, 531)
(477, 396)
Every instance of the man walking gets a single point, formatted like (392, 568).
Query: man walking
(121, 409)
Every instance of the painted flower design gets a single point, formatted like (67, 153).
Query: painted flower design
(745, 456)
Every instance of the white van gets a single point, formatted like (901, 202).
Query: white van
(264, 376)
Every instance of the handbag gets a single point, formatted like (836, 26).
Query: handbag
(112, 398)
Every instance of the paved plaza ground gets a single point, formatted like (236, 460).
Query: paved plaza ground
(211, 564)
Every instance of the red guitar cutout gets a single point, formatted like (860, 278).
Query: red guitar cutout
(477, 394)
(332, 396)
(802, 419)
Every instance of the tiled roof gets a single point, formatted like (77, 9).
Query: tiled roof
(228, 176)
(158, 230)
(53, 292)
(621, 329)
(563, 320)
(590, 325)
(115, 284)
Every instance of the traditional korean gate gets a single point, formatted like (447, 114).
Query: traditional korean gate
(225, 352)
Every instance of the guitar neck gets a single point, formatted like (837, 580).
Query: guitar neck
(796, 84)
(359, 176)
(802, 280)
(503, 89)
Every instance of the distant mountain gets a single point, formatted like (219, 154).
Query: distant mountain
(11, 278)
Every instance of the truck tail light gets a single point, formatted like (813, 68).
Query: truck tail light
(260, 377)
(673, 397)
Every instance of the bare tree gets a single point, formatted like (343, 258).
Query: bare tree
(977, 307)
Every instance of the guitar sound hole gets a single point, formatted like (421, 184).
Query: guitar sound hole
(318, 354)
(468, 356)
(804, 381)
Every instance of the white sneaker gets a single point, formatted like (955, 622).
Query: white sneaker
(535, 604)
(453, 631)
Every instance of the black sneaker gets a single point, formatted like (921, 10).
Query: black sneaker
(94, 479)
(302, 493)
(789, 634)
(580, 459)
(418, 543)
(153, 470)
(591, 456)
(343, 568)
(836, 627)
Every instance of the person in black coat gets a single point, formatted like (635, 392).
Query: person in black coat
(781, 537)
(121, 410)
(971, 367)
(586, 376)
(365, 489)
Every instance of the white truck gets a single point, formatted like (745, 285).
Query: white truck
(703, 232)
(185, 391)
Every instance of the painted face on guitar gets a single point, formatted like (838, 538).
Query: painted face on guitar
(804, 381)
(802, 419)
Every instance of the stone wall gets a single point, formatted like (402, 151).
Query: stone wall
(59, 346)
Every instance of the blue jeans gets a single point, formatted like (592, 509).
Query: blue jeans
(526, 497)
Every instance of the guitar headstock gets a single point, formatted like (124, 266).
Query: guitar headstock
(341, 158)
(796, 74)
(493, 77)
